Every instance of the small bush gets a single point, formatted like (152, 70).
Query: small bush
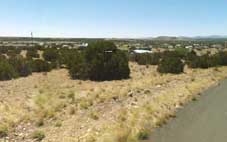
(143, 135)
(38, 135)
(58, 124)
(32, 54)
(182, 52)
(146, 59)
(78, 68)
(178, 53)
(3, 131)
(72, 111)
(67, 56)
(40, 122)
(7, 71)
(21, 66)
(12, 53)
(40, 66)
(94, 115)
(51, 55)
(3, 50)
(171, 65)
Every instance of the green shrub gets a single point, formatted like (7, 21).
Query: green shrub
(146, 58)
(12, 53)
(38, 135)
(40, 66)
(198, 62)
(32, 54)
(7, 71)
(78, 68)
(171, 65)
(3, 50)
(173, 54)
(223, 58)
(205, 61)
(190, 55)
(143, 135)
(67, 56)
(54, 65)
(3, 131)
(100, 61)
(182, 52)
(51, 55)
(21, 66)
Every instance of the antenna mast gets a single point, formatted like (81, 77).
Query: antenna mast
(32, 38)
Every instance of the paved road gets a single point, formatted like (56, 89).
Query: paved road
(204, 120)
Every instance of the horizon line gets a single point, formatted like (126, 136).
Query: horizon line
(145, 37)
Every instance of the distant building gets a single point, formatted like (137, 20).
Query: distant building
(189, 47)
(84, 45)
(141, 51)
(217, 46)
(170, 46)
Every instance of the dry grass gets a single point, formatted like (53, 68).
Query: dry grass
(112, 111)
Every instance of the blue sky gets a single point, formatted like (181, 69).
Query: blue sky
(113, 18)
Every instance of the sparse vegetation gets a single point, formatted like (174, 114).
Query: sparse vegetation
(38, 135)
(143, 135)
(54, 102)
(3, 131)
(94, 115)
(40, 122)
(58, 124)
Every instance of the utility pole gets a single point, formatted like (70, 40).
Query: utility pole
(32, 38)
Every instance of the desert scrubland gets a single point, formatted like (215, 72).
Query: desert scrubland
(53, 107)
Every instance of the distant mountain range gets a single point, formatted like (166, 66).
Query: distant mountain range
(212, 37)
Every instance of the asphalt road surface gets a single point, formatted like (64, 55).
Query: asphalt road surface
(204, 120)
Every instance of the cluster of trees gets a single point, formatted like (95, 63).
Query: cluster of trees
(168, 61)
(19, 67)
(14, 65)
(100, 61)
(174, 61)
(207, 61)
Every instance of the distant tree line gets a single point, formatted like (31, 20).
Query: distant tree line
(99, 62)
(174, 61)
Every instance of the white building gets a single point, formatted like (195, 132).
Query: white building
(141, 51)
